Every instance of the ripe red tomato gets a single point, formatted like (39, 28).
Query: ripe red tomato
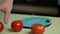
(1, 26)
(38, 29)
(17, 25)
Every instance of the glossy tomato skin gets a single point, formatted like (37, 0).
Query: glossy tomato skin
(17, 25)
(38, 29)
(1, 26)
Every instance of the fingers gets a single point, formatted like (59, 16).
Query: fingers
(6, 17)
(6, 14)
(0, 8)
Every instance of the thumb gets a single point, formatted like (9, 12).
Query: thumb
(6, 17)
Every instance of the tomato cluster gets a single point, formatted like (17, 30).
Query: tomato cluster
(1, 26)
(38, 29)
(17, 26)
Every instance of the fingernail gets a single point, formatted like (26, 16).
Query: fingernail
(5, 21)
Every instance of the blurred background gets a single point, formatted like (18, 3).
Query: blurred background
(37, 7)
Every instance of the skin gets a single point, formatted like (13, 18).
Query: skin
(6, 7)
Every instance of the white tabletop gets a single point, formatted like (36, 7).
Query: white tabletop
(54, 28)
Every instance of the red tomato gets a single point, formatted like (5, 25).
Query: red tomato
(37, 29)
(17, 25)
(1, 26)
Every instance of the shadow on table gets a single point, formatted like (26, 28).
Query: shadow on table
(48, 25)
(10, 30)
(30, 33)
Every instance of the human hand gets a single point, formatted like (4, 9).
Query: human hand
(6, 7)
